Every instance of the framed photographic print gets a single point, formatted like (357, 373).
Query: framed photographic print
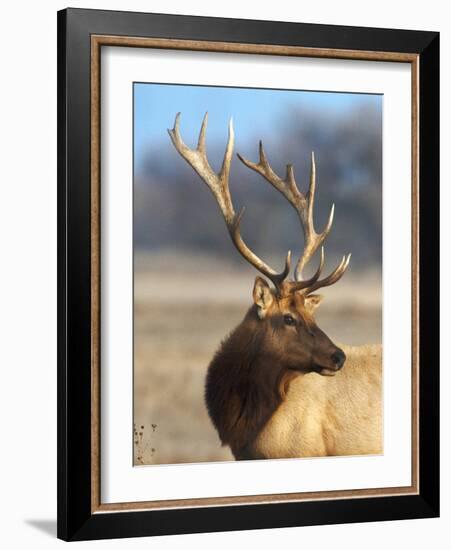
(248, 274)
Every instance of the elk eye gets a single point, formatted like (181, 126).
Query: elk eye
(289, 320)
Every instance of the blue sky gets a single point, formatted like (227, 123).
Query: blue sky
(253, 110)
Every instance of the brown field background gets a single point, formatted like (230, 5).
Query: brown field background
(184, 307)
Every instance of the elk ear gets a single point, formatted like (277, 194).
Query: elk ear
(263, 297)
(313, 301)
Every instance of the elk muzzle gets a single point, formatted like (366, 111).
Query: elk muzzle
(329, 365)
(338, 358)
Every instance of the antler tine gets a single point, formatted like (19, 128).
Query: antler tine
(219, 186)
(304, 208)
(331, 279)
(286, 186)
(197, 159)
(225, 168)
(302, 284)
(313, 240)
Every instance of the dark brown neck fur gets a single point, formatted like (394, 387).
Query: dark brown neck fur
(245, 384)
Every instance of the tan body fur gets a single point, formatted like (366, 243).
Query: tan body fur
(329, 415)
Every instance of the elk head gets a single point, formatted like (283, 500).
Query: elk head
(284, 313)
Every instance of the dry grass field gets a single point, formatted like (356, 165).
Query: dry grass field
(184, 307)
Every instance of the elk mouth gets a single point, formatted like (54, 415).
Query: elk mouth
(335, 363)
(319, 369)
(325, 371)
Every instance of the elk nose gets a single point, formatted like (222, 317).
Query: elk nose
(338, 358)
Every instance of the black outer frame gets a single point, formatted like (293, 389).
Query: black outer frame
(75, 520)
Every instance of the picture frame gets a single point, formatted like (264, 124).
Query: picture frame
(81, 36)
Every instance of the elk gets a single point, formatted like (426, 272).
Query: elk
(278, 387)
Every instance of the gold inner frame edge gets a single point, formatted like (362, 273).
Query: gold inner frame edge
(97, 41)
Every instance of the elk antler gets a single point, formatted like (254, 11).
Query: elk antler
(303, 204)
(219, 186)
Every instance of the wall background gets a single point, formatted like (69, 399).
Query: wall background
(28, 275)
